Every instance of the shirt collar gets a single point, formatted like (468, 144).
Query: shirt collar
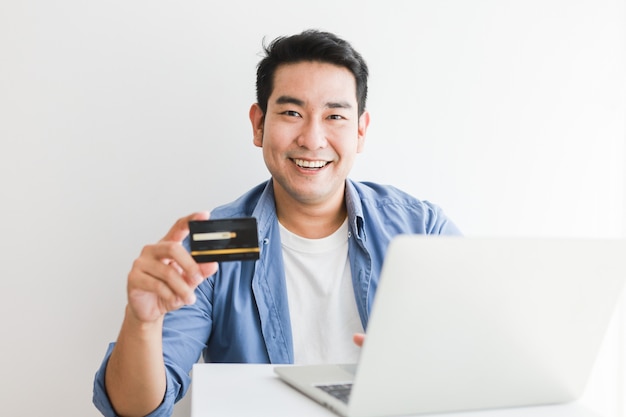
(355, 210)
(265, 210)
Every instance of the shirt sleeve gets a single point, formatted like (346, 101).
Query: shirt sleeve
(438, 223)
(101, 398)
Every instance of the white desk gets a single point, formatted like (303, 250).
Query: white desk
(237, 390)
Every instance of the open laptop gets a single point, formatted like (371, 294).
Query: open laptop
(464, 323)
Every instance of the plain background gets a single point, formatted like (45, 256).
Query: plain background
(118, 117)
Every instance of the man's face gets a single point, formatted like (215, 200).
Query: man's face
(311, 131)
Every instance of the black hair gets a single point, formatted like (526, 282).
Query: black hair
(314, 46)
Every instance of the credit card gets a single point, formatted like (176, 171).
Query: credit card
(234, 239)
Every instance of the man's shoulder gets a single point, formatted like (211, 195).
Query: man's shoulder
(382, 194)
(398, 208)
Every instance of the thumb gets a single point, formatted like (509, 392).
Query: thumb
(180, 230)
(208, 269)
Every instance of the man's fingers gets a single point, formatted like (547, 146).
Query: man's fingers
(170, 275)
(358, 339)
(171, 263)
(173, 253)
(164, 280)
(180, 230)
(177, 233)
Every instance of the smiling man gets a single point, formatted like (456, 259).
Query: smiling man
(322, 240)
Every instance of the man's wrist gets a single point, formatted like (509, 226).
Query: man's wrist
(139, 326)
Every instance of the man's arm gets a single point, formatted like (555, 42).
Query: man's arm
(162, 279)
(135, 375)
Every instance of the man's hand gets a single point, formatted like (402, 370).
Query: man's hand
(162, 279)
(165, 275)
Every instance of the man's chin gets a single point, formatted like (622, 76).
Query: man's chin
(310, 191)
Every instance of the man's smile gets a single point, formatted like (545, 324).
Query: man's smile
(303, 163)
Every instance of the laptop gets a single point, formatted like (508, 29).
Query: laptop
(463, 324)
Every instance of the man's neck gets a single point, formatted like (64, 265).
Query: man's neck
(311, 221)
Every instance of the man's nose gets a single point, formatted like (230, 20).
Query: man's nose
(312, 136)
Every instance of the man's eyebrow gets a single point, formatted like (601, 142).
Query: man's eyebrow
(339, 105)
(289, 100)
(298, 102)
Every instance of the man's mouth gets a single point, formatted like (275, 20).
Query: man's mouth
(310, 164)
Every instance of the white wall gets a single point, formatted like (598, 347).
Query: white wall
(118, 117)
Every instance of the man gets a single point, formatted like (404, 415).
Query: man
(322, 242)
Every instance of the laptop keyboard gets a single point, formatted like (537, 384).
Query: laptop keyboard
(339, 391)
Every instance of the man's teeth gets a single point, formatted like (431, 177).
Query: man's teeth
(310, 164)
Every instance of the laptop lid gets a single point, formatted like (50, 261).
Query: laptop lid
(475, 323)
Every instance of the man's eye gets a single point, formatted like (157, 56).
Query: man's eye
(336, 117)
(291, 113)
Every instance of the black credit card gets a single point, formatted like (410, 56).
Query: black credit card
(221, 240)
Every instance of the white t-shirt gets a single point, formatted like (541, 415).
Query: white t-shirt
(322, 306)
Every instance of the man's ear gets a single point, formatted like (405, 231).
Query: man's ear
(257, 117)
(364, 122)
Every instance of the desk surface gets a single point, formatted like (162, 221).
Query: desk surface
(254, 390)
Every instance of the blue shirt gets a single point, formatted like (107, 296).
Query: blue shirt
(242, 314)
